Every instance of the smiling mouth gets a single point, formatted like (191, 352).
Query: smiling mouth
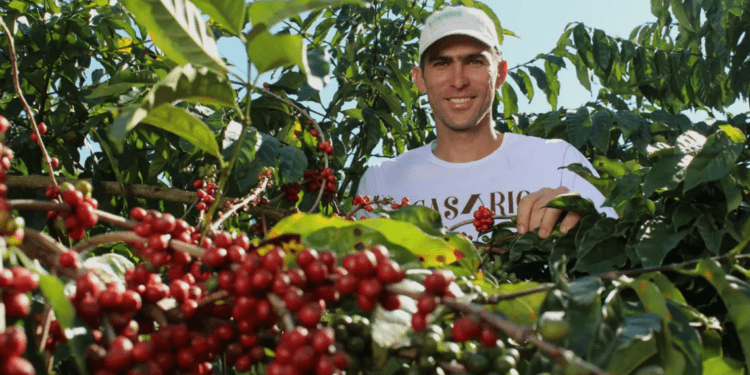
(459, 100)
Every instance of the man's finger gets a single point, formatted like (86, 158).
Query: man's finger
(525, 207)
(551, 215)
(571, 220)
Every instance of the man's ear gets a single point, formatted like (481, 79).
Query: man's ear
(502, 73)
(416, 73)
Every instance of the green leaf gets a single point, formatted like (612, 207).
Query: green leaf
(583, 45)
(178, 29)
(510, 101)
(584, 313)
(722, 366)
(666, 174)
(292, 163)
(182, 83)
(736, 296)
(521, 310)
(230, 13)
(124, 81)
(602, 125)
(628, 122)
(579, 127)
(405, 241)
(269, 13)
(655, 240)
(716, 159)
(180, 122)
(192, 84)
(268, 52)
(387, 94)
(53, 291)
(602, 52)
(680, 12)
(636, 345)
(710, 233)
(572, 202)
(524, 83)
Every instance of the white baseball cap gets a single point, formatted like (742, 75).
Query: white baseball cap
(458, 20)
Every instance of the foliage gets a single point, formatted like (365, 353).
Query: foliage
(136, 93)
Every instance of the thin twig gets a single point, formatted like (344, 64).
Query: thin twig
(254, 194)
(29, 112)
(503, 297)
(104, 217)
(279, 307)
(142, 191)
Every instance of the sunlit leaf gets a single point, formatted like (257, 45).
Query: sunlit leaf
(287, 50)
(270, 13)
(735, 294)
(230, 13)
(405, 240)
(716, 158)
(182, 123)
(178, 29)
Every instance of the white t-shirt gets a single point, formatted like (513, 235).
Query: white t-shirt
(520, 166)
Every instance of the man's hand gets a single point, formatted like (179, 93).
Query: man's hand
(532, 214)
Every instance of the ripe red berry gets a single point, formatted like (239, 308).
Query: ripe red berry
(322, 340)
(42, 127)
(17, 366)
(24, 280)
(426, 303)
(55, 162)
(265, 85)
(4, 124)
(418, 321)
(309, 315)
(465, 328)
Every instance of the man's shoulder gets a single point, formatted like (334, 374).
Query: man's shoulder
(529, 143)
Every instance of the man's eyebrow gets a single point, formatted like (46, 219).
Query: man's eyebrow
(468, 57)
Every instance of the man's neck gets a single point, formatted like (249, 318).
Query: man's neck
(466, 146)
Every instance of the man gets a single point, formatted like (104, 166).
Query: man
(471, 163)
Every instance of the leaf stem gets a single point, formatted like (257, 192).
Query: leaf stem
(29, 112)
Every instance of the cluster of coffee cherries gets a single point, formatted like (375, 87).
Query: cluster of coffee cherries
(436, 285)
(483, 220)
(10, 227)
(317, 178)
(15, 284)
(362, 202)
(326, 147)
(206, 193)
(368, 273)
(12, 346)
(83, 207)
(291, 191)
(304, 351)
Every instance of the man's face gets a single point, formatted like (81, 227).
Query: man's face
(460, 78)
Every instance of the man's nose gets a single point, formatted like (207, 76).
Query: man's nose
(460, 79)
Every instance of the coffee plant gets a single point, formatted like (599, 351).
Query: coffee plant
(162, 214)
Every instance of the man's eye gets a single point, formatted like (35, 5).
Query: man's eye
(477, 62)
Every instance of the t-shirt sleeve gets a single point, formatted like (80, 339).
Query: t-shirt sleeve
(578, 184)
